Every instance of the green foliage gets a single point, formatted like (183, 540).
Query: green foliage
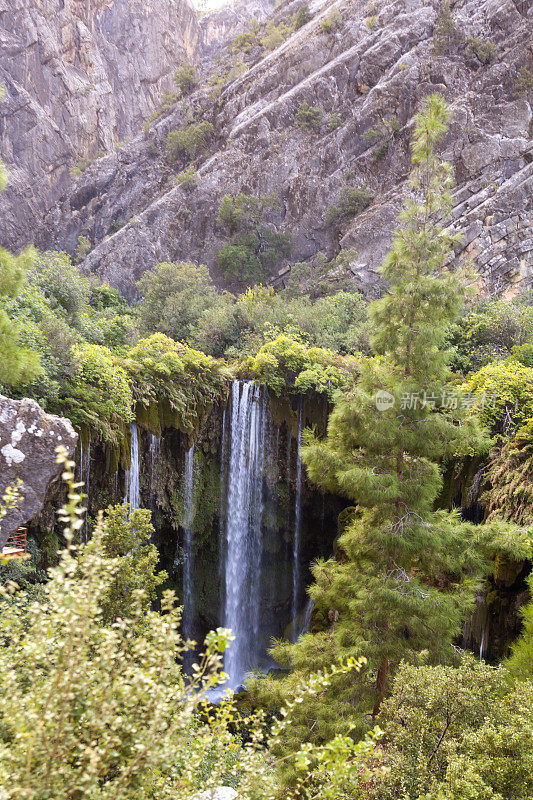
(174, 380)
(383, 134)
(186, 79)
(488, 331)
(302, 17)
(510, 479)
(456, 733)
(83, 248)
(174, 297)
(288, 366)
(483, 49)
(18, 364)
(351, 202)
(446, 37)
(275, 35)
(83, 163)
(524, 81)
(256, 248)
(309, 117)
(127, 538)
(331, 21)
(372, 22)
(244, 42)
(334, 122)
(188, 179)
(520, 664)
(504, 394)
(380, 593)
(190, 142)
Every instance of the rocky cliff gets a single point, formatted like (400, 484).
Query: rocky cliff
(80, 77)
(28, 440)
(366, 68)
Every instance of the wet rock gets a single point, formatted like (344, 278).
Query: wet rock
(28, 439)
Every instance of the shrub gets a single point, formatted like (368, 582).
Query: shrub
(186, 79)
(83, 248)
(275, 35)
(334, 122)
(245, 41)
(192, 141)
(383, 134)
(503, 394)
(351, 202)
(308, 117)
(331, 22)
(175, 295)
(524, 82)
(484, 50)
(302, 17)
(371, 22)
(445, 36)
(83, 163)
(187, 179)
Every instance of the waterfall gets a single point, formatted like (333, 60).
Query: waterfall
(296, 588)
(133, 497)
(188, 564)
(85, 478)
(308, 615)
(244, 527)
(155, 443)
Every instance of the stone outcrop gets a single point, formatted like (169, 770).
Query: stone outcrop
(80, 77)
(219, 27)
(361, 67)
(28, 439)
(363, 72)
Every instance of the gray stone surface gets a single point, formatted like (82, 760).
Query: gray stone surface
(80, 77)
(219, 793)
(129, 206)
(28, 439)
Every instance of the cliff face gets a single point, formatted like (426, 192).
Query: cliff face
(219, 27)
(366, 68)
(80, 77)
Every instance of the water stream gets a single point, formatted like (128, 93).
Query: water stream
(188, 552)
(133, 493)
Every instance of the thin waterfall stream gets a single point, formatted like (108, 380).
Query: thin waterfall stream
(188, 552)
(296, 579)
(133, 493)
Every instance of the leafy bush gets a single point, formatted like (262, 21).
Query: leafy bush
(173, 385)
(308, 117)
(383, 134)
(446, 37)
(504, 394)
(275, 35)
(188, 179)
(244, 42)
(524, 81)
(83, 248)
(456, 733)
(334, 122)
(190, 142)
(302, 17)
(175, 294)
(331, 22)
(351, 202)
(186, 79)
(484, 50)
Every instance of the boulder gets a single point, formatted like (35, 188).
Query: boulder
(28, 440)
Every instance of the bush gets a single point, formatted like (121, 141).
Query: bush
(302, 17)
(524, 82)
(308, 117)
(275, 35)
(331, 22)
(83, 248)
(446, 37)
(245, 41)
(175, 294)
(383, 134)
(484, 50)
(186, 79)
(189, 142)
(334, 122)
(351, 202)
(188, 179)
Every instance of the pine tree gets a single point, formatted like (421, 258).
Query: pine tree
(398, 584)
(520, 663)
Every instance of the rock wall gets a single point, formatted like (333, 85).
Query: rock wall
(365, 70)
(80, 77)
(28, 439)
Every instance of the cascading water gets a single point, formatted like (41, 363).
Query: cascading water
(155, 443)
(296, 588)
(243, 538)
(188, 562)
(133, 494)
(85, 478)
